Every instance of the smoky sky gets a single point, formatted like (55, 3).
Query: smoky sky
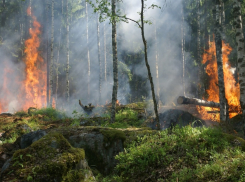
(166, 22)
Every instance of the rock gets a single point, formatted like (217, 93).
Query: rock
(100, 145)
(51, 158)
(172, 117)
(5, 166)
(27, 139)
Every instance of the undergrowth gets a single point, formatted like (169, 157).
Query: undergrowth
(187, 154)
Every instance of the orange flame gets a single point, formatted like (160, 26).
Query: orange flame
(232, 89)
(35, 82)
(118, 103)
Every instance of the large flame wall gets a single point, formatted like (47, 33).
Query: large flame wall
(32, 90)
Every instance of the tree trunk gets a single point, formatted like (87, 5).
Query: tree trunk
(223, 20)
(183, 48)
(99, 57)
(240, 51)
(47, 48)
(115, 61)
(58, 58)
(199, 61)
(67, 55)
(52, 55)
(218, 42)
(157, 69)
(105, 53)
(147, 64)
(88, 54)
(187, 100)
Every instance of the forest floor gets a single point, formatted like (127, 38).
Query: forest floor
(177, 154)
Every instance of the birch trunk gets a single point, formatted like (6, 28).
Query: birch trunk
(52, 55)
(99, 57)
(67, 55)
(218, 42)
(105, 64)
(157, 69)
(183, 49)
(115, 61)
(47, 48)
(240, 51)
(147, 64)
(88, 54)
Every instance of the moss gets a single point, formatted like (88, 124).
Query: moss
(231, 138)
(112, 135)
(49, 158)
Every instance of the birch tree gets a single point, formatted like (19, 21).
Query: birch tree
(218, 42)
(67, 54)
(99, 57)
(52, 54)
(240, 50)
(182, 48)
(88, 54)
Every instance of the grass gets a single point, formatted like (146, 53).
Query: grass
(187, 154)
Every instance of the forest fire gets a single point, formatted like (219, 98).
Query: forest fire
(35, 83)
(32, 90)
(232, 90)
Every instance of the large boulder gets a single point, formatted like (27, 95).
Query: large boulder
(101, 145)
(51, 158)
(27, 139)
(173, 117)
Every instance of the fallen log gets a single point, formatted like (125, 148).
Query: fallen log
(195, 101)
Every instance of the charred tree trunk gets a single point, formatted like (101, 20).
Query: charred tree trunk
(115, 61)
(67, 54)
(240, 51)
(195, 101)
(88, 53)
(99, 57)
(218, 42)
(52, 55)
(200, 72)
(147, 64)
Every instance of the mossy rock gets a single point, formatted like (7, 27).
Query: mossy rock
(51, 158)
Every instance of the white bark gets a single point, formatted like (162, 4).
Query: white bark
(52, 55)
(88, 54)
(67, 55)
(99, 57)
(240, 51)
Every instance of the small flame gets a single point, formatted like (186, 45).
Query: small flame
(232, 89)
(118, 103)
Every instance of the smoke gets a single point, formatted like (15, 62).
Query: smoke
(166, 22)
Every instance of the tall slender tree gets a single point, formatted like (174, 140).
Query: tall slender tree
(99, 57)
(183, 48)
(52, 54)
(88, 53)
(105, 63)
(237, 13)
(115, 60)
(218, 42)
(67, 53)
(199, 94)
(156, 63)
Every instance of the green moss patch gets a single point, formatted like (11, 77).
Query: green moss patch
(49, 158)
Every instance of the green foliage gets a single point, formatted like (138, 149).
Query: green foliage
(50, 112)
(21, 113)
(191, 154)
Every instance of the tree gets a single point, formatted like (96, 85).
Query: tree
(240, 51)
(99, 58)
(88, 53)
(218, 42)
(67, 54)
(115, 60)
(52, 55)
